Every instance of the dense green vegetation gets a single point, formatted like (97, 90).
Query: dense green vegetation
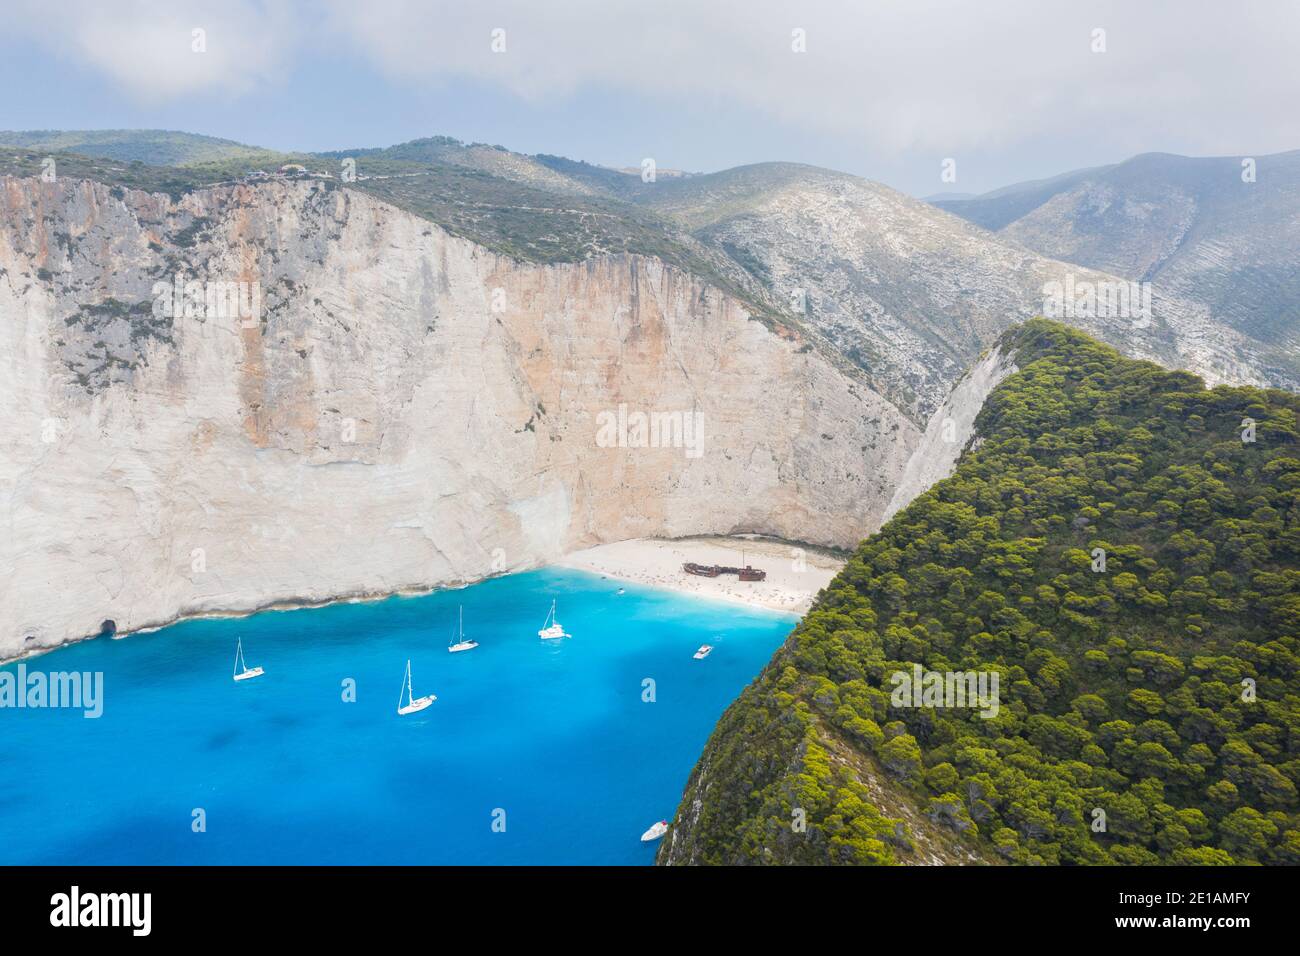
(1149, 711)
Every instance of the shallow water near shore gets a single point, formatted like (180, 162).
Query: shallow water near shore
(553, 738)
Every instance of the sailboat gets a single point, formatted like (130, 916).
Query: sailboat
(461, 644)
(551, 628)
(413, 703)
(242, 670)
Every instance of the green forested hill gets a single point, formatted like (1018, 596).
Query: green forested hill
(1128, 567)
(154, 147)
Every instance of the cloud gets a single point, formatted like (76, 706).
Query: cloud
(893, 76)
(150, 50)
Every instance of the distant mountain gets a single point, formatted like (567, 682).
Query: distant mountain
(493, 160)
(613, 182)
(945, 197)
(997, 208)
(1190, 226)
(155, 147)
(908, 293)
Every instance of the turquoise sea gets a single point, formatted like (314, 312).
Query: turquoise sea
(552, 739)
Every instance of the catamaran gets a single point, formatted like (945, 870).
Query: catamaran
(551, 628)
(413, 703)
(242, 670)
(461, 644)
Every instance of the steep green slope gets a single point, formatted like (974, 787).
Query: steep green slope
(1148, 705)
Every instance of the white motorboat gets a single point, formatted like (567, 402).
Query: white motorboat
(704, 651)
(655, 832)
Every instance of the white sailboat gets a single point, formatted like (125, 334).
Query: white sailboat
(460, 644)
(413, 703)
(551, 628)
(242, 670)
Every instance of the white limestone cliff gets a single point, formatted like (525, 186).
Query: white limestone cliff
(391, 421)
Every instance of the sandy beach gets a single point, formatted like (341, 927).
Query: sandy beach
(794, 574)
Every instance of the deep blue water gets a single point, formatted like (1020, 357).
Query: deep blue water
(556, 734)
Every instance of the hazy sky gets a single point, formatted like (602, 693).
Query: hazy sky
(1009, 89)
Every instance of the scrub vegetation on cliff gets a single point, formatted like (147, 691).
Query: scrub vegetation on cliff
(890, 289)
(510, 204)
(1120, 548)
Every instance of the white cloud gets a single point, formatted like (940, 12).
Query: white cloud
(148, 48)
(890, 74)
(937, 76)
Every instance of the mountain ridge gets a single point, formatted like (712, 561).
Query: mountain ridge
(1217, 231)
(905, 294)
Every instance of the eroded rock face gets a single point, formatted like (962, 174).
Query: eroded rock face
(950, 429)
(913, 296)
(405, 409)
(1217, 234)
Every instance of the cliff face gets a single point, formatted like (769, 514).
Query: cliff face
(403, 410)
(950, 428)
(913, 295)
